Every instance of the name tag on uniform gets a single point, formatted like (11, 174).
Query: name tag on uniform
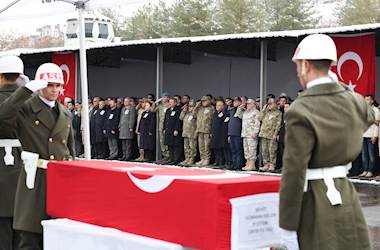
(190, 118)
(146, 115)
(95, 112)
(110, 117)
(173, 113)
(227, 119)
(206, 111)
(220, 114)
(102, 112)
(126, 112)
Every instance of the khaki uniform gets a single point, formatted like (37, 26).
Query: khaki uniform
(270, 126)
(8, 178)
(250, 128)
(320, 137)
(160, 108)
(204, 120)
(188, 133)
(40, 130)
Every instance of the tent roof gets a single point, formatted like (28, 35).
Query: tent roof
(213, 38)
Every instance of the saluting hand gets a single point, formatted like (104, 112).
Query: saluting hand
(36, 85)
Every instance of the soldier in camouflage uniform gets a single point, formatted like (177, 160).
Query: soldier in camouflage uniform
(249, 132)
(160, 106)
(270, 127)
(204, 113)
(188, 132)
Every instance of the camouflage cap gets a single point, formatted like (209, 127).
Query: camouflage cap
(205, 98)
(250, 101)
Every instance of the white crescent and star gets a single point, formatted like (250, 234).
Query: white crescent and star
(66, 69)
(353, 56)
(158, 183)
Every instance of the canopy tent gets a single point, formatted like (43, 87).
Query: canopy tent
(254, 45)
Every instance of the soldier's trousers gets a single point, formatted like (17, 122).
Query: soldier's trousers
(28, 241)
(204, 141)
(269, 151)
(164, 148)
(6, 233)
(190, 147)
(250, 148)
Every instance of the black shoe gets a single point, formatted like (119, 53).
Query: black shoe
(121, 159)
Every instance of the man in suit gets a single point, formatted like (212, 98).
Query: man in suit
(319, 207)
(93, 113)
(111, 129)
(44, 129)
(11, 67)
(100, 134)
(126, 128)
(173, 131)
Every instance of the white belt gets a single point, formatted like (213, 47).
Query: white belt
(8, 144)
(328, 175)
(31, 163)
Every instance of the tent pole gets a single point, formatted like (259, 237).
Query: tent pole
(263, 71)
(84, 84)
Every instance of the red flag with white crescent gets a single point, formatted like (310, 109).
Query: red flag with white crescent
(67, 62)
(356, 64)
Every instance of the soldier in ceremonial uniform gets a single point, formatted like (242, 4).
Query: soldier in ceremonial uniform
(270, 127)
(11, 67)
(204, 112)
(319, 207)
(189, 126)
(44, 129)
(160, 107)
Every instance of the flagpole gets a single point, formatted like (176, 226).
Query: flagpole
(80, 5)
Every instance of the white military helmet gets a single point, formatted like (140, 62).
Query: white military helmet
(11, 64)
(50, 72)
(316, 47)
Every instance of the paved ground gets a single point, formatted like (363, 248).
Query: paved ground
(370, 198)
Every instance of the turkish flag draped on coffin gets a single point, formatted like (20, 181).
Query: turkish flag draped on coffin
(67, 62)
(356, 64)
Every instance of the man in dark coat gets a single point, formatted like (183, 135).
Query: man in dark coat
(147, 132)
(77, 123)
(111, 127)
(10, 152)
(173, 131)
(219, 133)
(234, 135)
(100, 137)
(93, 113)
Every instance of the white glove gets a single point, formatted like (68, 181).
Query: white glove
(289, 239)
(22, 80)
(36, 85)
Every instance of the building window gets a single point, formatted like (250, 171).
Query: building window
(103, 30)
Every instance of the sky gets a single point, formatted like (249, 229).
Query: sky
(27, 15)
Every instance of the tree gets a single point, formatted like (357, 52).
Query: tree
(289, 14)
(116, 17)
(359, 12)
(149, 21)
(192, 18)
(241, 16)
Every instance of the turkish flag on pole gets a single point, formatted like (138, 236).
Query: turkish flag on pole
(356, 65)
(68, 63)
